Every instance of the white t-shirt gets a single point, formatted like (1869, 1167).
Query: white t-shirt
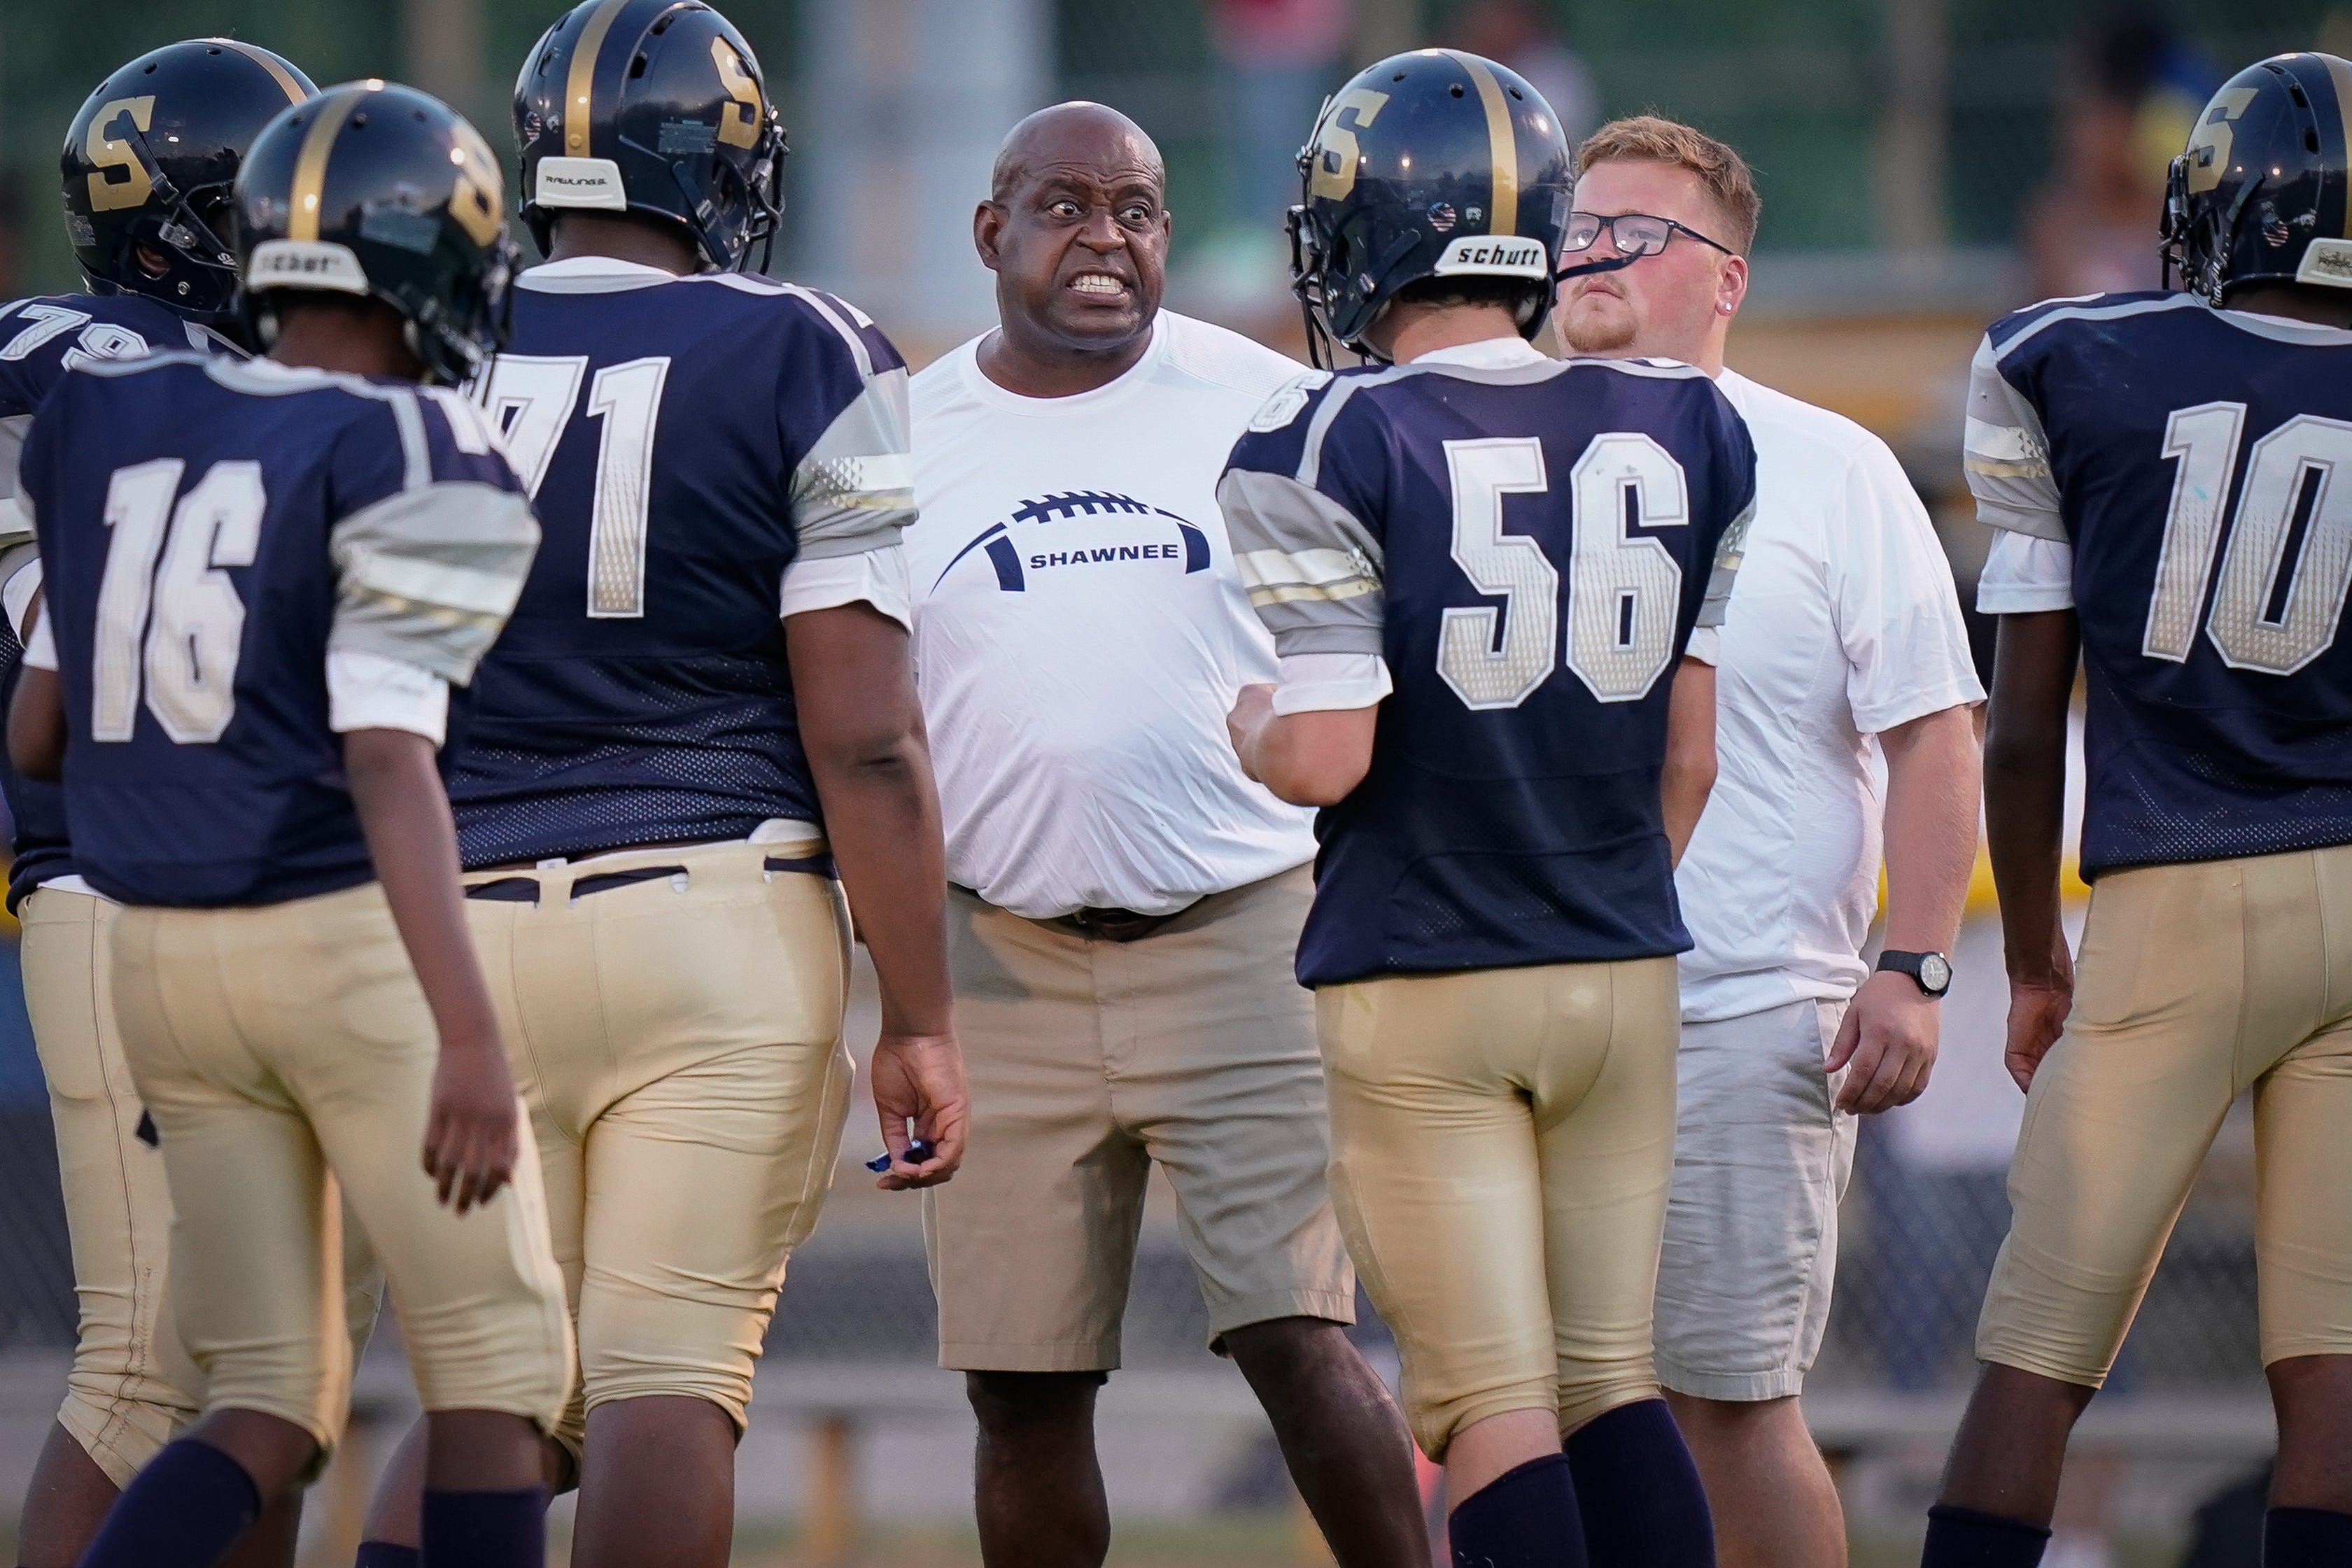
(1080, 634)
(1845, 623)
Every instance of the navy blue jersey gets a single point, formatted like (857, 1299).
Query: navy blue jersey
(687, 440)
(39, 339)
(2189, 456)
(198, 570)
(1527, 544)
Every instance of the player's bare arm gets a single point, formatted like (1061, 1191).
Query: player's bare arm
(471, 1142)
(2024, 795)
(1312, 759)
(1889, 1034)
(1688, 777)
(863, 726)
(36, 726)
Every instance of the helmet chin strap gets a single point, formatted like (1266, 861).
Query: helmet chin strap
(1612, 265)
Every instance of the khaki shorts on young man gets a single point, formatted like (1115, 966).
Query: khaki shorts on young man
(1761, 1160)
(2194, 983)
(1091, 1059)
(1502, 1144)
(286, 1051)
(674, 1018)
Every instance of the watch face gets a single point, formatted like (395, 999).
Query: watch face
(1935, 972)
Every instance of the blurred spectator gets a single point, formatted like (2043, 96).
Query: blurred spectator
(1520, 34)
(1276, 59)
(2136, 90)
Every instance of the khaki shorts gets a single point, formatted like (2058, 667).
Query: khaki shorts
(1761, 1160)
(678, 1040)
(1089, 1060)
(132, 1387)
(285, 1051)
(1503, 1141)
(2194, 982)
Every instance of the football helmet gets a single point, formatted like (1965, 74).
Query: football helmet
(375, 189)
(2260, 194)
(654, 106)
(150, 160)
(1436, 164)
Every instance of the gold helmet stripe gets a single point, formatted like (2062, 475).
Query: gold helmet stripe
(270, 63)
(2340, 74)
(1503, 211)
(579, 85)
(310, 163)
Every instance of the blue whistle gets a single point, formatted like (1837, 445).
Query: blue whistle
(916, 1153)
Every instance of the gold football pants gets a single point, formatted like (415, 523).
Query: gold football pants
(286, 1051)
(1503, 1144)
(674, 1017)
(2194, 983)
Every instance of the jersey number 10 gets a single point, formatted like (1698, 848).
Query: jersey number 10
(2276, 608)
(1624, 590)
(531, 397)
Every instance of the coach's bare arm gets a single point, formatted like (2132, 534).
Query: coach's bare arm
(1889, 1034)
(862, 727)
(1688, 777)
(2025, 807)
(1313, 758)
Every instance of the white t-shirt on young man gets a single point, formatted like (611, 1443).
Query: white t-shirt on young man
(1846, 623)
(1080, 634)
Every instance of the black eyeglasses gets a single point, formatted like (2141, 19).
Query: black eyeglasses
(1633, 234)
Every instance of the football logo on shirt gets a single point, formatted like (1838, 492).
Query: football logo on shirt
(1005, 551)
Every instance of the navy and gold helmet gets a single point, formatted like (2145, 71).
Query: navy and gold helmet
(654, 106)
(2260, 195)
(379, 190)
(1433, 165)
(150, 160)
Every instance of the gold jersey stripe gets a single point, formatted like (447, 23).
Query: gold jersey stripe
(579, 85)
(270, 63)
(2342, 76)
(1503, 211)
(310, 163)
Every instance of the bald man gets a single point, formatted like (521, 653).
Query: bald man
(1124, 903)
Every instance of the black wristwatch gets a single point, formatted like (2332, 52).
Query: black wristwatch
(1931, 971)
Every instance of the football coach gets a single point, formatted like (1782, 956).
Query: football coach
(1844, 727)
(1126, 904)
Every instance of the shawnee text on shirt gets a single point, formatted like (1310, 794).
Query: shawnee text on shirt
(1846, 623)
(1080, 634)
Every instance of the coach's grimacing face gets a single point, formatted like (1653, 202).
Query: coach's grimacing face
(1663, 305)
(1078, 234)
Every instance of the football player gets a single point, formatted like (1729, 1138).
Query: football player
(702, 706)
(148, 161)
(2163, 469)
(1483, 569)
(255, 610)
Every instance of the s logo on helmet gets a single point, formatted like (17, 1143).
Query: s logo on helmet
(739, 120)
(113, 153)
(2209, 146)
(480, 193)
(1331, 166)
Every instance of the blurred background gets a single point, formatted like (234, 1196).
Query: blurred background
(1926, 165)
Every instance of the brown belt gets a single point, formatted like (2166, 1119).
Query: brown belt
(1117, 925)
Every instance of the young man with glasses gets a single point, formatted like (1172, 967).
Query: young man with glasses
(1844, 729)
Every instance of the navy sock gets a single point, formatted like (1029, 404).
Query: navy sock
(1963, 1538)
(186, 1510)
(385, 1554)
(2306, 1538)
(1639, 1492)
(1524, 1518)
(486, 1529)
